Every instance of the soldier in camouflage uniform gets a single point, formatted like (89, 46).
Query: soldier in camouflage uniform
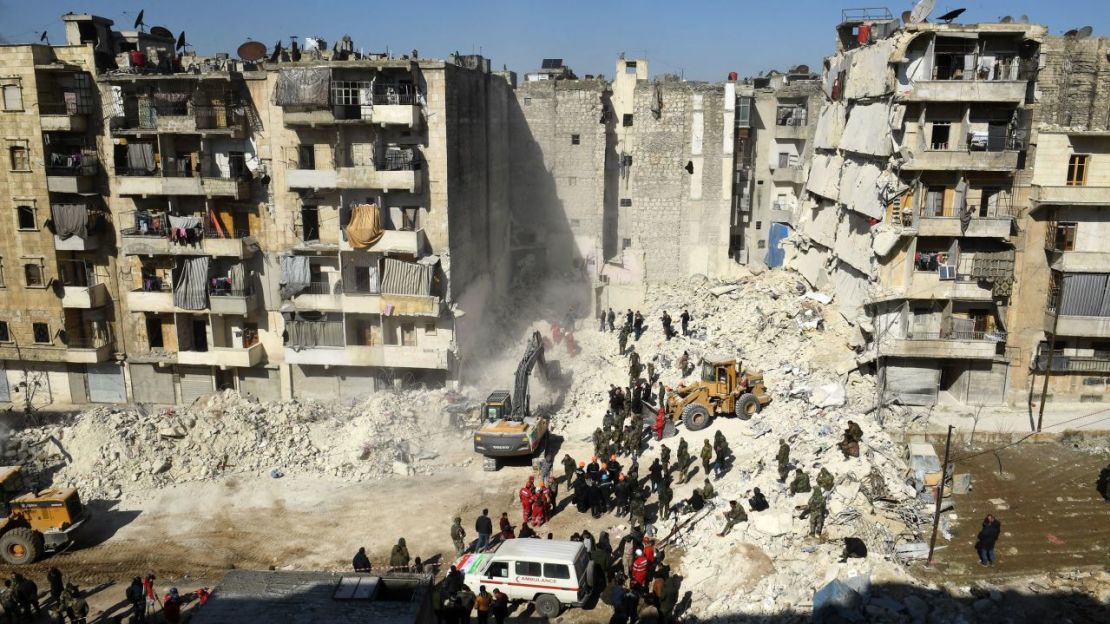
(800, 484)
(783, 459)
(733, 516)
(825, 479)
(817, 512)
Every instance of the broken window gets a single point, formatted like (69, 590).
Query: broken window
(1065, 236)
(575, 139)
(154, 333)
(306, 157)
(430, 328)
(41, 332)
(627, 121)
(310, 223)
(25, 217)
(408, 334)
(18, 158)
(630, 67)
(988, 204)
(410, 218)
(32, 274)
(1077, 170)
(939, 137)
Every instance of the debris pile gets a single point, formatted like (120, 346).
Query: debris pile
(109, 452)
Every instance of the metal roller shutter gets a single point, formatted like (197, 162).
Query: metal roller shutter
(78, 391)
(313, 382)
(5, 392)
(152, 384)
(105, 383)
(911, 381)
(195, 383)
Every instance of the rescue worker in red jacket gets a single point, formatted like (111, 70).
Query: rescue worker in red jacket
(640, 570)
(660, 423)
(527, 493)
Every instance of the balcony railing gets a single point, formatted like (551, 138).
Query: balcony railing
(215, 116)
(321, 287)
(995, 336)
(72, 164)
(223, 290)
(1072, 363)
(211, 232)
(394, 99)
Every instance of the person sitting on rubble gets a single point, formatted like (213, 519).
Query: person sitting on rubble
(399, 556)
(852, 437)
(800, 484)
(361, 562)
(733, 516)
(758, 501)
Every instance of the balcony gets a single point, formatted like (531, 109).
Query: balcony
(929, 286)
(73, 351)
(223, 357)
(88, 350)
(1078, 326)
(146, 183)
(321, 295)
(353, 178)
(946, 345)
(793, 131)
(362, 301)
(154, 240)
(392, 356)
(185, 118)
(967, 91)
(239, 302)
(85, 297)
(158, 297)
(1080, 261)
(1071, 195)
(789, 175)
(63, 122)
(76, 243)
(962, 160)
(393, 242)
(73, 172)
(978, 227)
(410, 305)
(1086, 364)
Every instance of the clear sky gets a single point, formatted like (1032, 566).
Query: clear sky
(702, 39)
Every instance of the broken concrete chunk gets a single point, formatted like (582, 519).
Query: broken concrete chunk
(828, 395)
(723, 290)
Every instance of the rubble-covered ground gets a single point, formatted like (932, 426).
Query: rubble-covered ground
(303, 484)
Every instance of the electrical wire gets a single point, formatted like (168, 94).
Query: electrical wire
(1033, 433)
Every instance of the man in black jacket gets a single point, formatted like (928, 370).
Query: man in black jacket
(988, 535)
(483, 526)
(361, 562)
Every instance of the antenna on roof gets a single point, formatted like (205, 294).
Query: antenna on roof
(921, 11)
(951, 15)
(139, 23)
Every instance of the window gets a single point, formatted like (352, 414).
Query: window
(430, 328)
(18, 158)
(942, 130)
(575, 139)
(626, 202)
(988, 203)
(25, 218)
(408, 334)
(528, 568)
(1077, 170)
(759, 225)
(154, 332)
(1065, 236)
(571, 180)
(306, 157)
(410, 218)
(760, 244)
(627, 120)
(498, 569)
(784, 159)
(556, 571)
(310, 223)
(32, 274)
(626, 243)
(41, 333)
(630, 67)
(5, 333)
(527, 101)
(13, 96)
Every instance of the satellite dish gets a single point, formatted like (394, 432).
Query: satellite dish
(951, 15)
(276, 55)
(802, 69)
(1024, 19)
(252, 51)
(906, 16)
(44, 38)
(181, 41)
(139, 20)
(161, 31)
(1084, 32)
(1006, 20)
(921, 11)
(1072, 33)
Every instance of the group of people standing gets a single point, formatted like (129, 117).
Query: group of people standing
(633, 325)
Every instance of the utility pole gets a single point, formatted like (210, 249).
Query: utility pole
(1051, 352)
(940, 494)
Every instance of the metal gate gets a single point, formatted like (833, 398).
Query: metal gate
(775, 254)
(195, 383)
(152, 384)
(5, 392)
(105, 383)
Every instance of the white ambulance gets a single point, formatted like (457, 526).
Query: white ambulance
(549, 573)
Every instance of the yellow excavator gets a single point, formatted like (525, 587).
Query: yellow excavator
(36, 522)
(510, 429)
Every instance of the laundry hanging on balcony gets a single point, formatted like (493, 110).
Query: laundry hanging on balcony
(302, 87)
(140, 158)
(71, 220)
(185, 229)
(295, 275)
(365, 226)
(407, 278)
(190, 283)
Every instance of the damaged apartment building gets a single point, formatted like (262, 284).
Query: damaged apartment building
(633, 178)
(298, 222)
(945, 160)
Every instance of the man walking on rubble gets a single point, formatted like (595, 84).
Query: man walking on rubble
(638, 325)
(706, 457)
(722, 451)
(568, 467)
(666, 495)
(683, 457)
(610, 318)
(628, 318)
(665, 459)
(685, 318)
(622, 338)
(817, 513)
(783, 459)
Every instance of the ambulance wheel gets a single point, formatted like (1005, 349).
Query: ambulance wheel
(547, 606)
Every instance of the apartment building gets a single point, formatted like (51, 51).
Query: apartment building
(302, 225)
(58, 298)
(1064, 305)
(776, 116)
(920, 175)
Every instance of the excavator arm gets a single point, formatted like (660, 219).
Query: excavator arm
(533, 355)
